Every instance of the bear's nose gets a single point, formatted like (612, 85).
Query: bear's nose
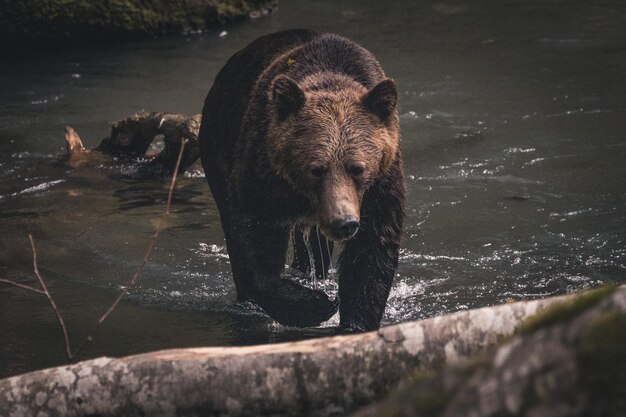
(344, 228)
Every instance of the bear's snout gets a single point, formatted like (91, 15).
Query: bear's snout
(338, 210)
(344, 228)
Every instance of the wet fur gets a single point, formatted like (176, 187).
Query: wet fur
(256, 155)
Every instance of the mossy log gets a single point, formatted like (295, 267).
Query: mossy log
(326, 376)
(132, 137)
(568, 361)
(79, 20)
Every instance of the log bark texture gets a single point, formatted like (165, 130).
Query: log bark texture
(327, 376)
(567, 362)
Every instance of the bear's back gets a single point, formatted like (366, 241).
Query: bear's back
(334, 54)
(228, 99)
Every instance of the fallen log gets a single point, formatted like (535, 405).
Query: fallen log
(568, 361)
(131, 138)
(326, 376)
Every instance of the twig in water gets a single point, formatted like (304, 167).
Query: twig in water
(133, 280)
(44, 291)
(68, 349)
(26, 287)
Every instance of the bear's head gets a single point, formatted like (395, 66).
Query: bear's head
(331, 138)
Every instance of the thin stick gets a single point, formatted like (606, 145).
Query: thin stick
(183, 142)
(146, 257)
(24, 286)
(68, 349)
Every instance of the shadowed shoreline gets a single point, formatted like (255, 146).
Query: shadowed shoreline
(56, 23)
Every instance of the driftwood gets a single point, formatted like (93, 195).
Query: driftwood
(132, 137)
(315, 377)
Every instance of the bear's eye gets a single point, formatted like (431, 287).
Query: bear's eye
(356, 170)
(318, 172)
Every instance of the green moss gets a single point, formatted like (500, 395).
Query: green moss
(426, 393)
(422, 394)
(600, 353)
(567, 309)
(601, 357)
(431, 398)
(70, 19)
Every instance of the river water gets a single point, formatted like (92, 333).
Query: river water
(513, 118)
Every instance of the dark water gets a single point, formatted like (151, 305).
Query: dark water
(513, 122)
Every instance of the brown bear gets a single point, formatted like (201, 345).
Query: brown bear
(300, 130)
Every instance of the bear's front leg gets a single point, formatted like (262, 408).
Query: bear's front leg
(257, 253)
(368, 262)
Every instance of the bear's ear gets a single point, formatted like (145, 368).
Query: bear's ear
(382, 99)
(287, 96)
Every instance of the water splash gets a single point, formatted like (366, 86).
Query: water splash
(212, 251)
(37, 188)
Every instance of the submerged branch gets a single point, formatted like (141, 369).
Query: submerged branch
(23, 286)
(68, 349)
(133, 280)
(132, 137)
(44, 291)
(75, 145)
